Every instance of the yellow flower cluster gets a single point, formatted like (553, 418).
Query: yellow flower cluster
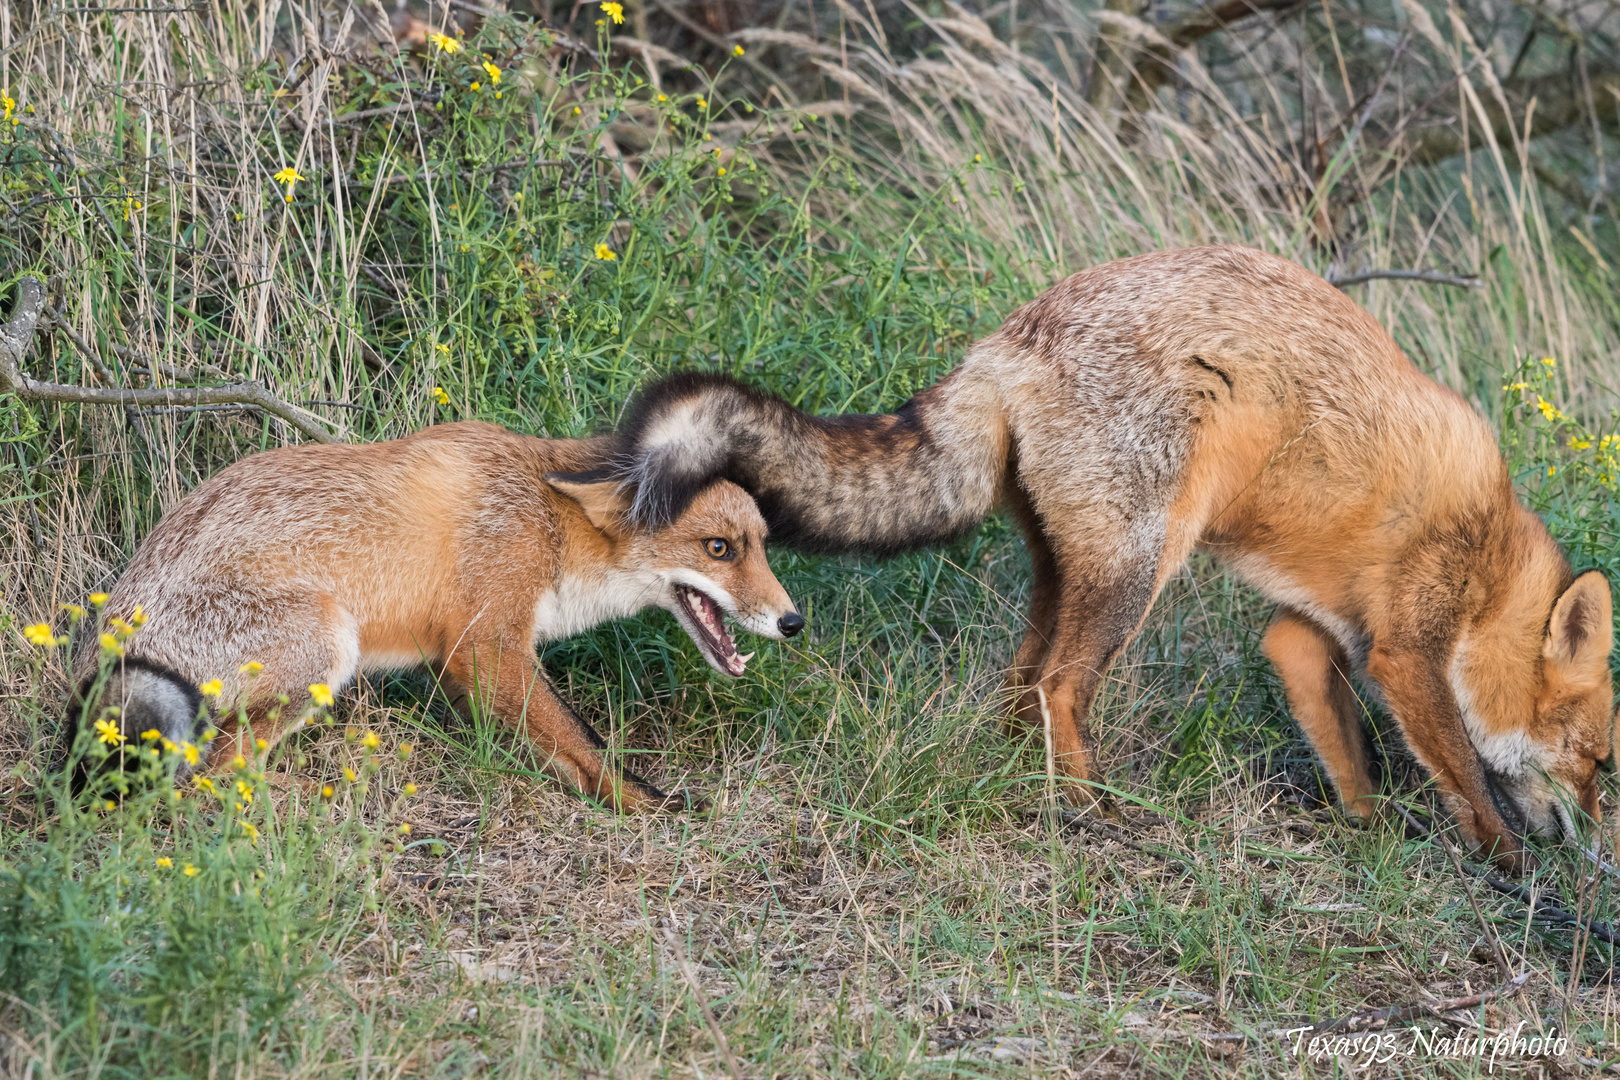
(9, 104)
(320, 694)
(439, 396)
(605, 253)
(445, 44)
(40, 634)
(614, 12)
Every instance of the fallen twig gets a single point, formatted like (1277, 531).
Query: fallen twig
(1539, 908)
(1467, 282)
(1394, 1014)
(17, 336)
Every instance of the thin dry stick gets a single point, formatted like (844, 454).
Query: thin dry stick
(1051, 807)
(1406, 275)
(1539, 908)
(702, 1000)
(16, 337)
(1394, 1014)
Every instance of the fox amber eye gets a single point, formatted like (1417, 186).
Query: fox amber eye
(717, 548)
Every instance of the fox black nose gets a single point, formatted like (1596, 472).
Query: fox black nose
(790, 624)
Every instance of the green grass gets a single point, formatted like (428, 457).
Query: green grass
(878, 889)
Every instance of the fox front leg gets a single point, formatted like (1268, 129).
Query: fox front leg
(511, 683)
(1422, 701)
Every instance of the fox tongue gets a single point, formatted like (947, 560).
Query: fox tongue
(712, 624)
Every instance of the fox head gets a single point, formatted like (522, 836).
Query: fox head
(1545, 763)
(706, 564)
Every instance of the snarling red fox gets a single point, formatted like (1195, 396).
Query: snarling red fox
(462, 546)
(1223, 398)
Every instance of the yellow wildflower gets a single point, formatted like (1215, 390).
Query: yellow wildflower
(326, 791)
(663, 97)
(614, 12)
(165, 862)
(190, 752)
(98, 598)
(605, 253)
(348, 774)
(1580, 444)
(75, 612)
(1551, 469)
(576, 110)
(152, 736)
(261, 744)
(477, 86)
(107, 732)
(720, 171)
(39, 634)
(702, 104)
(244, 789)
(410, 789)
(443, 348)
(191, 871)
(138, 617)
(736, 50)
(320, 693)
(8, 103)
(1549, 361)
(239, 762)
(405, 750)
(1548, 409)
(405, 828)
(111, 805)
(170, 747)
(446, 44)
(212, 688)
(370, 740)
(203, 784)
(252, 667)
(249, 830)
(440, 396)
(493, 72)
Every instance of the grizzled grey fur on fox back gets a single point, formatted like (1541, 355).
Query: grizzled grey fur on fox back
(877, 484)
(1226, 398)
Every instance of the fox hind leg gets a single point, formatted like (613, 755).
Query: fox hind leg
(1098, 612)
(1019, 690)
(1314, 670)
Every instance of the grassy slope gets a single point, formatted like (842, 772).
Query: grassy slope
(876, 889)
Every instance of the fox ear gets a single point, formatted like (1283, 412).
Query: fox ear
(602, 500)
(1580, 631)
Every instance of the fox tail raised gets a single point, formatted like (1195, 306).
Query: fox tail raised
(878, 484)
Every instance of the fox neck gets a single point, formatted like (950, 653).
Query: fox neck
(595, 586)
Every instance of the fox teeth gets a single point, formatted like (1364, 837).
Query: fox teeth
(743, 658)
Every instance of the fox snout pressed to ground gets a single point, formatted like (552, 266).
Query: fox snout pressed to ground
(461, 547)
(1224, 398)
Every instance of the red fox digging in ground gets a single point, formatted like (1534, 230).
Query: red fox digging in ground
(1224, 398)
(462, 547)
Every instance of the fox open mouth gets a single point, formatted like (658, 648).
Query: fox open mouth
(707, 627)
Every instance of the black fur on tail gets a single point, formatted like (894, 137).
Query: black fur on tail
(147, 696)
(857, 483)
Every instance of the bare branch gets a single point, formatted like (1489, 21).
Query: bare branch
(1465, 282)
(1380, 1018)
(17, 336)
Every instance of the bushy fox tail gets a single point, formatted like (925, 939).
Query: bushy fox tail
(138, 696)
(879, 484)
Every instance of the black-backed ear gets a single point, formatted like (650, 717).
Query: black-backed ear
(1581, 629)
(601, 497)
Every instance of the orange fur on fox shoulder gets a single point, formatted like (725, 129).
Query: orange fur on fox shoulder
(1223, 398)
(461, 547)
